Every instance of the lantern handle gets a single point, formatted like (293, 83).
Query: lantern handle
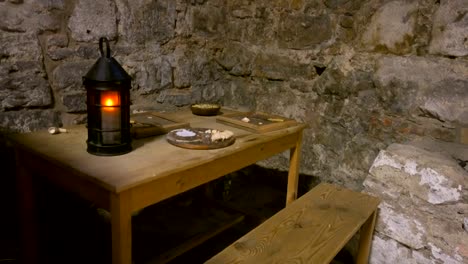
(107, 47)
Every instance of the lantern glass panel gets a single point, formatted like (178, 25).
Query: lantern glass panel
(110, 113)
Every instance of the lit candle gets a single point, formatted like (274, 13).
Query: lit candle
(110, 117)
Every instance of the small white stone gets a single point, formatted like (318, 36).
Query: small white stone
(53, 130)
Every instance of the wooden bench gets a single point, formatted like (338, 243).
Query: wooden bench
(312, 229)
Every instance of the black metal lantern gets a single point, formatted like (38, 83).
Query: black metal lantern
(108, 101)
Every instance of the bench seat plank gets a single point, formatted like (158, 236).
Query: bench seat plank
(312, 229)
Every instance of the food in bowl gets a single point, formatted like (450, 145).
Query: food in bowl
(205, 109)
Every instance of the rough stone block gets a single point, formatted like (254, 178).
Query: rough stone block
(75, 102)
(237, 59)
(182, 67)
(276, 67)
(145, 21)
(165, 70)
(144, 78)
(91, 20)
(20, 47)
(209, 21)
(11, 20)
(68, 75)
(429, 176)
(300, 31)
(56, 47)
(450, 29)
(388, 251)
(22, 84)
(249, 30)
(242, 12)
(60, 53)
(405, 226)
(278, 98)
(239, 94)
(57, 40)
(90, 51)
(204, 70)
(182, 73)
(342, 4)
(415, 217)
(28, 120)
(447, 101)
(456, 151)
(392, 28)
(48, 22)
(28, 17)
(210, 93)
(433, 85)
(385, 250)
(52, 4)
(176, 97)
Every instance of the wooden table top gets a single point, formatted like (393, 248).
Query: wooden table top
(151, 158)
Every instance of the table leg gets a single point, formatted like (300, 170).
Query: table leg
(293, 175)
(27, 214)
(121, 222)
(365, 239)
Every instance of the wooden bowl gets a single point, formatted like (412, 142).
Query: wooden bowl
(203, 109)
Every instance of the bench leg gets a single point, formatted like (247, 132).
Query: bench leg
(365, 239)
(293, 175)
(121, 225)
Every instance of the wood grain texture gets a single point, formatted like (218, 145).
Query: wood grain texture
(251, 149)
(365, 239)
(152, 124)
(121, 228)
(151, 158)
(152, 172)
(234, 119)
(310, 230)
(293, 174)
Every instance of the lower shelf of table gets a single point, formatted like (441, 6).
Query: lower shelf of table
(165, 231)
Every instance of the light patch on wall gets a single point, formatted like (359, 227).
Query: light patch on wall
(384, 159)
(439, 193)
(437, 253)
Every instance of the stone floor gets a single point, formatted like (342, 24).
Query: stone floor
(75, 231)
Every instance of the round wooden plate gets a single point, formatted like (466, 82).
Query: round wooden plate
(196, 138)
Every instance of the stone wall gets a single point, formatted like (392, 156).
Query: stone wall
(423, 216)
(361, 74)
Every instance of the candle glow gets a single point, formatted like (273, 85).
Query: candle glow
(110, 116)
(110, 98)
(109, 102)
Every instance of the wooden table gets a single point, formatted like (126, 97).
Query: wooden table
(152, 172)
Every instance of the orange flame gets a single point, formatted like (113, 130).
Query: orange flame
(109, 102)
(110, 98)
